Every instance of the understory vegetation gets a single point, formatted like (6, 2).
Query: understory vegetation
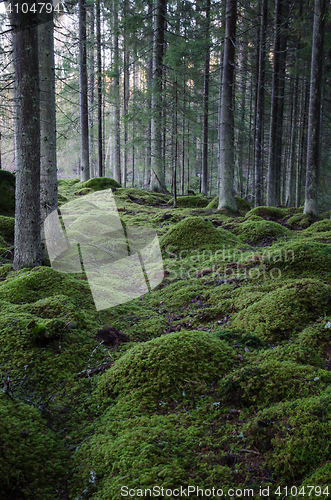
(224, 380)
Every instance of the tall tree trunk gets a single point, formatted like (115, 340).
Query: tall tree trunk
(260, 109)
(91, 88)
(117, 145)
(290, 186)
(99, 80)
(205, 105)
(157, 171)
(48, 167)
(84, 135)
(226, 159)
(126, 86)
(27, 243)
(147, 177)
(314, 121)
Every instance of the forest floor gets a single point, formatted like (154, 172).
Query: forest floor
(217, 378)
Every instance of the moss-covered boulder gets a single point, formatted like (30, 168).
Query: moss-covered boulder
(163, 368)
(318, 227)
(266, 212)
(258, 231)
(294, 436)
(7, 191)
(190, 201)
(7, 227)
(263, 382)
(68, 182)
(100, 183)
(282, 313)
(320, 479)
(83, 191)
(242, 204)
(299, 221)
(195, 233)
(32, 462)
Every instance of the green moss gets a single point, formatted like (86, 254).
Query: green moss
(299, 221)
(190, 201)
(7, 225)
(68, 182)
(165, 367)
(264, 382)
(321, 480)
(83, 191)
(242, 204)
(256, 231)
(319, 226)
(100, 183)
(281, 313)
(33, 464)
(7, 191)
(194, 233)
(266, 212)
(141, 197)
(294, 436)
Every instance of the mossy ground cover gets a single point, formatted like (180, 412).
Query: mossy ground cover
(224, 382)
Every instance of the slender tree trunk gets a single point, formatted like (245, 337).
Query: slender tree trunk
(91, 90)
(205, 105)
(147, 178)
(258, 167)
(27, 243)
(226, 160)
(126, 86)
(314, 122)
(290, 198)
(48, 167)
(157, 170)
(84, 135)
(117, 145)
(99, 84)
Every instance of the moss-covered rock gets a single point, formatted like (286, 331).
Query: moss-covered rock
(7, 226)
(190, 201)
(165, 367)
(100, 183)
(69, 182)
(257, 231)
(299, 221)
(194, 233)
(319, 226)
(7, 191)
(320, 479)
(266, 212)
(283, 312)
(32, 462)
(83, 191)
(242, 204)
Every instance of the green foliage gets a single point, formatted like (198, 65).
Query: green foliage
(99, 183)
(190, 201)
(319, 226)
(266, 212)
(256, 231)
(299, 221)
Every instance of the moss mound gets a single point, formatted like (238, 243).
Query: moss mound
(190, 201)
(257, 231)
(319, 226)
(68, 182)
(195, 233)
(299, 221)
(100, 183)
(7, 191)
(241, 203)
(83, 191)
(295, 436)
(33, 464)
(266, 212)
(142, 197)
(164, 367)
(267, 381)
(320, 479)
(283, 312)
(30, 285)
(7, 226)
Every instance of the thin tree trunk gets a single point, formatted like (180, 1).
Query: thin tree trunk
(117, 145)
(205, 105)
(91, 90)
(126, 86)
(84, 134)
(99, 68)
(314, 123)
(226, 160)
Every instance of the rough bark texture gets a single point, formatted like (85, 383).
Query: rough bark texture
(91, 92)
(84, 138)
(28, 251)
(290, 185)
(99, 80)
(157, 171)
(260, 109)
(117, 145)
(313, 148)
(226, 129)
(48, 167)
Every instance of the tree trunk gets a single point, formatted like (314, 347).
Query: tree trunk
(117, 145)
(91, 89)
(84, 133)
(126, 86)
(205, 105)
(99, 80)
(260, 110)
(314, 121)
(27, 243)
(157, 171)
(226, 159)
(48, 167)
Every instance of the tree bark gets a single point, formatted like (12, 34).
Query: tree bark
(84, 132)
(226, 156)
(117, 145)
(99, 84)
(314, 120)
(27, 243)
(205, 105)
